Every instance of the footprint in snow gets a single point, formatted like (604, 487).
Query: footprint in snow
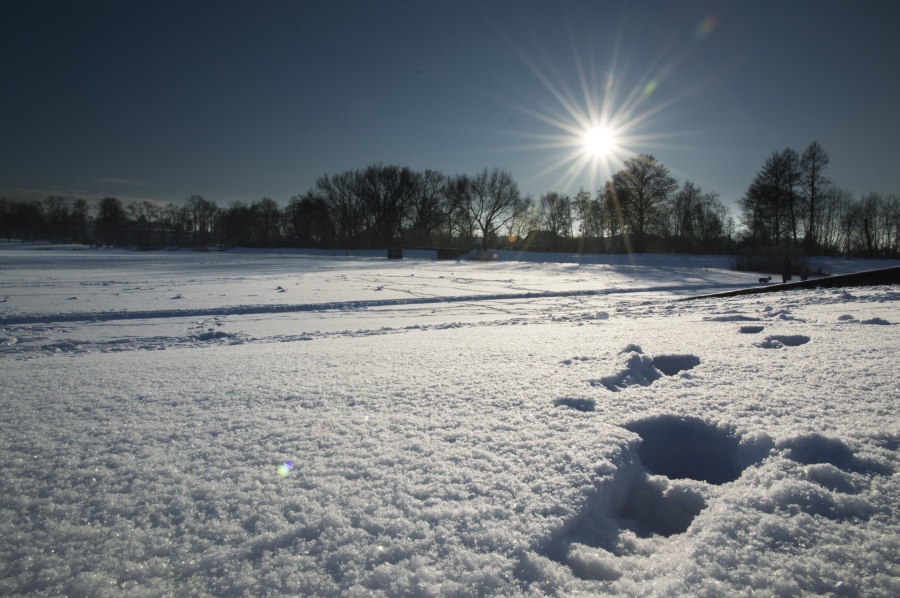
(585, 405)
(657, 489)
(643, 370)
(751, 329)
(779, 341)
(852, 320)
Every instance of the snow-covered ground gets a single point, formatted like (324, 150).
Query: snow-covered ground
(560, 426)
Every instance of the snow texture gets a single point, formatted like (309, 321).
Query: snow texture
(250, 423)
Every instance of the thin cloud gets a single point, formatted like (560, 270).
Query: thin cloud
(25, 195)
(123, 181)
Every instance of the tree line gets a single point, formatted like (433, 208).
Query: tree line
(791, 205)
(641, 208)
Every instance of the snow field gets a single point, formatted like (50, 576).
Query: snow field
(565, 444)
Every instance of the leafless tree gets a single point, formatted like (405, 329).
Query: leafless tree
(642, 190)
(492, 201)
(813, 184)
(203, 218)
(555, 212)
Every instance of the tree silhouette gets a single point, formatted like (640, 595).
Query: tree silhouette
(490, 201)
(555, 216)
(111, 220)
(641, 191)
(814, 182)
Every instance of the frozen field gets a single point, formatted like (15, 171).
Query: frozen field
(451, 428)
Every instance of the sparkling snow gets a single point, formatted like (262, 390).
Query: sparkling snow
(251, 423)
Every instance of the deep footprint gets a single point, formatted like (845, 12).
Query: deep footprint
(687, 448)
(671, 365)
(786, 340)
(751, 329)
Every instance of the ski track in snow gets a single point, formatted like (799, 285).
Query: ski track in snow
(512, 442)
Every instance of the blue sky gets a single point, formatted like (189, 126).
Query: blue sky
(237, 101)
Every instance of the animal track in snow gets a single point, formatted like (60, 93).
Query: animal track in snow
(732, 318)
(852, 320)
(574, 359)
(778, 341)
(576, 404)
(816, 449)
(687, 448)
(643, 370)
(751, 329)
(656, 491)
(831, 477)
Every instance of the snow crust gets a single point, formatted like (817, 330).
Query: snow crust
(453, 428)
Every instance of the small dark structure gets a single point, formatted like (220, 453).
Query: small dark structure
(884, 276)
(444, 253)
(395, 253)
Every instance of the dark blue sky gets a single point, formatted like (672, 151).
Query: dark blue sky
(237, 101)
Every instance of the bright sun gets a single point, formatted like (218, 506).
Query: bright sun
(599, 141)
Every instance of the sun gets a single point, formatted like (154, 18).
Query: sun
(599, 142)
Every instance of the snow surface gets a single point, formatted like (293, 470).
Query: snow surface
(559, 425)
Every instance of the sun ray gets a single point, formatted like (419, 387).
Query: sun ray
(598, 117)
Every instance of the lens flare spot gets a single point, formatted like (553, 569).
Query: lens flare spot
(707, 26)
(285, 468)
(650, 87)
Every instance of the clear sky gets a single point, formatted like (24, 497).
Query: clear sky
(241, 100)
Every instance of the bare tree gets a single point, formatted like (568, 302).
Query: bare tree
(492, 201)
(236, 225)
(813, 185)
(590, 214)
(830, 225)
(203, 217)
(793, 175)
(177, 220)
(306, 220)
(461, 221)
(111, 220)
(386, 192)
(345, 208)
(699, 219)
(642, 190)
(57, 215)
(556, 217)
(429, 207)
(265, 216)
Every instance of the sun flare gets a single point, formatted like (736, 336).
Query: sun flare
(599, 141)
(594, 117)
